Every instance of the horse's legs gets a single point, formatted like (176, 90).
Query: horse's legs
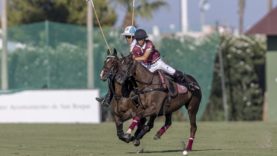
(167, 124)
(192, 111)
(147, 128)
(119, 129)
(150, 125)
(144, 130)
(134, 123)
(140, 126)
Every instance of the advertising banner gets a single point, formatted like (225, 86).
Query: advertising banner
(50, 106)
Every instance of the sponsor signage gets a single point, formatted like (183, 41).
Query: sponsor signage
(50, 106)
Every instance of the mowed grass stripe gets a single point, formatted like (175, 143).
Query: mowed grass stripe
(212, 138)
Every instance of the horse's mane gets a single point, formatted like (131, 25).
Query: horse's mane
(127, 87)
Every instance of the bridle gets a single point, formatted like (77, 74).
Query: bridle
(111, 71)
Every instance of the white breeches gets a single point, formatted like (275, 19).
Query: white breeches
(160, 65)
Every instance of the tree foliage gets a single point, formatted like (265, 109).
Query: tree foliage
(66, 11)
(143, 8)
(243, 58)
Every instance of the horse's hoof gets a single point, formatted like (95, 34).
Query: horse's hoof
(189, 148)
(140, 150)
(132, 138)
(125, 137)
(136, 142)
(157, 137)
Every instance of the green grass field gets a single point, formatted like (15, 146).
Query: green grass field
(213, 139)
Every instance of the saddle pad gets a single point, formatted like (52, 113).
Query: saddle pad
(181, 89)
(173, 87)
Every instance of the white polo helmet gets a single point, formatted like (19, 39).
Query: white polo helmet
(129, 31)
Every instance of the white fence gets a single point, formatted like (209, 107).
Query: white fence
(50, 106)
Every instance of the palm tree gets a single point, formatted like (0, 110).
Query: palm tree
(66, 11)
(241, 15)
(143, 8)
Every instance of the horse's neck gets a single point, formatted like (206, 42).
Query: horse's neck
(146, 77)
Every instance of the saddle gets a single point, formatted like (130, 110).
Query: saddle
(173, 88)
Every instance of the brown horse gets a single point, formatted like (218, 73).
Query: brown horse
(121, 106)
(124, 108)
(154, 100)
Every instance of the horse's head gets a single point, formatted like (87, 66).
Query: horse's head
(126, 69)
(109, 68)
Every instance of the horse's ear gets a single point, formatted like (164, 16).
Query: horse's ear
(108, 52)
(114, 52)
